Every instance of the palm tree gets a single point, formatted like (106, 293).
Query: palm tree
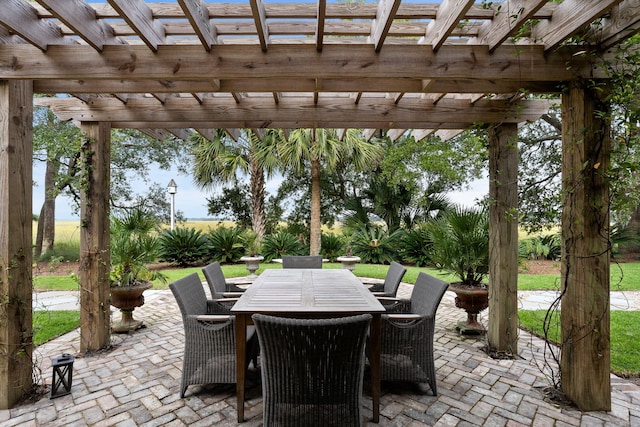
(322, 148)
(222, 160)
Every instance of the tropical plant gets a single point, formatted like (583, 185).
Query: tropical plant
(460, 244)
(183, 246)
(532, 248)
(223, 160)
(280, 243)
(316, 149)
(332, 246)
(416, 245)
(133, 246)
(225, 244)
(251, 244)
(375, 245)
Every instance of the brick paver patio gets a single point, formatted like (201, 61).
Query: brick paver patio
(137, 383)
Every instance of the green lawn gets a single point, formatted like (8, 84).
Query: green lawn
(625, 328)
(48, 325)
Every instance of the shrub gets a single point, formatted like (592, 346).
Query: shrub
(332, 246)
(280, 243)
(540, 247)
(417, 245)
(65, 251)
(183, 246)
(225, 244)
(375, 245)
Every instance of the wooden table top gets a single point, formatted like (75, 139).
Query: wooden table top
(307, 291)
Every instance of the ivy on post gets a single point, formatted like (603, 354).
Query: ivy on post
(94, 238)
(16, 147)
(585, 358)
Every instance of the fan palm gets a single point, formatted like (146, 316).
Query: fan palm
(322, 148)
(222, 160)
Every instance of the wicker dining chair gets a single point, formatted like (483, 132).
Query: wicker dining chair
(209, 336)
(312, 369)
(218, 285)
(394, 276)
(407, 333)
(302, 261)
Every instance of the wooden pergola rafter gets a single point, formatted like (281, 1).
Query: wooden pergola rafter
(189, 66)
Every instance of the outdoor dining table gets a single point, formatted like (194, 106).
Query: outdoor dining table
(307, 293)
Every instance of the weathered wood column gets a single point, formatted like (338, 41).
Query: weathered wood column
(502, 331)
(585, 360)
(16, 151)
(94, 238)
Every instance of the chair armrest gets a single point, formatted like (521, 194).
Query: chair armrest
(403, 316)
(231, 287)
(384, 299)
(232, 295)
(212, 318)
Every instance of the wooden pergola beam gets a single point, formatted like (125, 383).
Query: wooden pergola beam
(452, 62)
(186, 112)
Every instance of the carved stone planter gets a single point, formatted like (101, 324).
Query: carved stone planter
(252, 263)
(127, 298)
(348, 262)
(473, 301)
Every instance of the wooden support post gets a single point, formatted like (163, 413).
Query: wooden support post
(502, 331)
(16, 257)
(585, 359)
(94, 238)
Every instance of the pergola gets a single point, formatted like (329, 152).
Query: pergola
(186, 66)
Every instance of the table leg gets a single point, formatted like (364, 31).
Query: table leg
(241, 355)
(375, 365)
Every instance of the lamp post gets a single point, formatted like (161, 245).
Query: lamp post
(173, 189)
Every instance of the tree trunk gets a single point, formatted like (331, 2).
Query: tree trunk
(258, 221)
(315, 224)
(46, 234)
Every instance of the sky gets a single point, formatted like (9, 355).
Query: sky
(191, 201)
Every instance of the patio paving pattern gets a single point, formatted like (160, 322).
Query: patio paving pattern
(137, 381)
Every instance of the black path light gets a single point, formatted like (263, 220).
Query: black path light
(62, 375)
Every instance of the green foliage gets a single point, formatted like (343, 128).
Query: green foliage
(48, 325)
(332, 246)
(250, 243)
(375, 245)
(532, 248)
(416, 245)
(225, 244)
(281, 243)
(132, 247)
(183, 246)
(540, 247)
(68, 251)
(461, 244)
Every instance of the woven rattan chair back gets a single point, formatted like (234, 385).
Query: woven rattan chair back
(302, 261)
(190, 295)
(392, 280)
(427, 294)
(312, 369)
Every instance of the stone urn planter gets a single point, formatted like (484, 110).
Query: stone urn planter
(127, 298)
(472, 300)
(348, 262)
(252, 263)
